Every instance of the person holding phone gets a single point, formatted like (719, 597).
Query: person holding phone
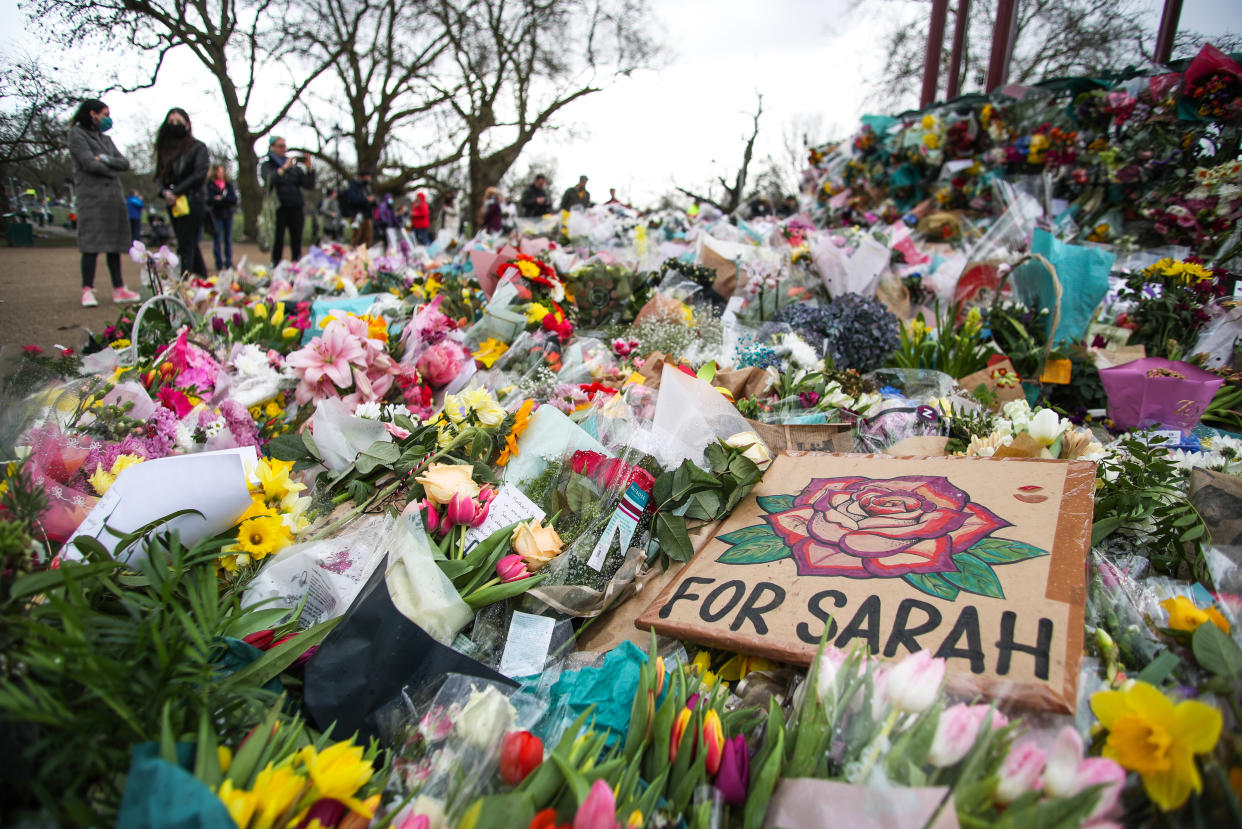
(287, 177)
(181, 163)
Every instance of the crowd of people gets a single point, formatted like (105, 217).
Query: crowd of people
(199, 195)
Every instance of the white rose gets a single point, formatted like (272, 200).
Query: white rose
(755, 449)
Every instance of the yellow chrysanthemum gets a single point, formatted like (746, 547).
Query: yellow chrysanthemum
(1149, 734)
(1186, 615)
(338, 772)
(121, 343)
(260, 537)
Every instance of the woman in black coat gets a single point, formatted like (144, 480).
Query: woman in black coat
(103, 223)
(181, 163)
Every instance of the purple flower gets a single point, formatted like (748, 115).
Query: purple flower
(734, 776)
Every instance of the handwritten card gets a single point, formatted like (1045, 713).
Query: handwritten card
(526, 649)
(508, 506)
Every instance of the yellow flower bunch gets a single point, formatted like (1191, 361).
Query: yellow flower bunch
(119, 344)
(1185, 272)
(490, 350)
(469, 408)
(521, 419)
(277, 512)
(283, 793)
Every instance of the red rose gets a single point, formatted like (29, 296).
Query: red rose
(864, 528)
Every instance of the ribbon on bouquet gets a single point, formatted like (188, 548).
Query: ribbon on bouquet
(624, 520)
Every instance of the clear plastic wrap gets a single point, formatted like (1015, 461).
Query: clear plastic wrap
(691, 415)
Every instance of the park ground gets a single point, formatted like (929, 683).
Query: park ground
(41, 293)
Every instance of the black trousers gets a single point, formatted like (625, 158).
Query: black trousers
(188, 230)
(289, 218)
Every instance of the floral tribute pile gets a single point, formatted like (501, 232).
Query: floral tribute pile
(455, 467)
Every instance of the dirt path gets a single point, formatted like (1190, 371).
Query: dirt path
(41, 294)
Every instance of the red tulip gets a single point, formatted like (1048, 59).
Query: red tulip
(520, 754)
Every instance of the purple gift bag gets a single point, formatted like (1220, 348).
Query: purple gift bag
(1157, 392)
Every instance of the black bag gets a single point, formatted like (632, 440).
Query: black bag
(372, 655)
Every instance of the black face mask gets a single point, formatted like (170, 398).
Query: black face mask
(176, 130)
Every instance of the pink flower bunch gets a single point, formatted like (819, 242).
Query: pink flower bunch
(1062, 772)
(440, 363)
(461, 511)
(623, 347)
(190, 366)
(343, 361)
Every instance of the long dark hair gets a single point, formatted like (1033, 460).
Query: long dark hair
(82, 117)
(168, 148)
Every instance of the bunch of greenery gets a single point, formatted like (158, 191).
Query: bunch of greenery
(98, 656)
(957, 350)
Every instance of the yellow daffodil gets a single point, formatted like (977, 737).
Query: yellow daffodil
(260, 537)
(338, 772)
(1148, 733)
(739, 666)
(273, 476)
(703, 663)
(240, 803)
(1186, 615)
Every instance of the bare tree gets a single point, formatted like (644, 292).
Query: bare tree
(515, 65)
(1053, 38)
(243, 44)
(379, 83)
(34, 110)
(733, 193)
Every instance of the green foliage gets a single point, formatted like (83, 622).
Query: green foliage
(1140, 489)
(955, 349)
(98, 655)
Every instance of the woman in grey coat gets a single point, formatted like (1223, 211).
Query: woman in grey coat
(103, 223)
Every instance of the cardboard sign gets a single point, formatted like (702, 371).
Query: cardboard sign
(1000, 378)
(979, 560)
(805, 437)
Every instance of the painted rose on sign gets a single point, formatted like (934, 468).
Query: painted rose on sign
(920, 528)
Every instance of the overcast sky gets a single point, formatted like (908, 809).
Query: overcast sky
(682, 124)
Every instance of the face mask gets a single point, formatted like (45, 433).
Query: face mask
(105, 124)
(176, 130)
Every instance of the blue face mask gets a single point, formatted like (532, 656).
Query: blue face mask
(105, 124)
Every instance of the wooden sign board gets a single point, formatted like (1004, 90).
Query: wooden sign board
(980, 560)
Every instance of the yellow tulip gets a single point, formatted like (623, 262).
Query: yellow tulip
(289, 333)
(260, 311)
(278, 313)
(240, 803)
(338, 772)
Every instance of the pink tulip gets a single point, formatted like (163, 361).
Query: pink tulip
(1020, 772)
(734, 775)
(415, 822)
(915, 682)
(465, 512)
(512, 568)
(1068, 773)
(430, 519)
(487, 494)
(956, 732)
(599, 810)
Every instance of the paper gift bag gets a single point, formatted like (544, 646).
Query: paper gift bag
(1157, 392)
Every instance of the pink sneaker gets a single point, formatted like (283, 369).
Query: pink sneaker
(88, 298)
(123, 294)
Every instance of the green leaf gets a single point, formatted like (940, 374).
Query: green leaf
(499, 592)
(1216, 651)
(974, 576)
(758, 551)
(673, 537)
(309, 441)
(775, 503)
(272, 662)
(703, 506)
(933, 584)
(1158, 670)
(1004, 551)
(580, 493)
(381, 453)
(1105, 527)
(752, 533)
(287, 447)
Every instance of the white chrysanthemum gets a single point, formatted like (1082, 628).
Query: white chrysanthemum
(800, 351)
(184, 437)
(1017, 411)
(251, 361)
(369, 410)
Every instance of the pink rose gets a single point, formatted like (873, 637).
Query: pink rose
(864, 528)
(438, 365)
